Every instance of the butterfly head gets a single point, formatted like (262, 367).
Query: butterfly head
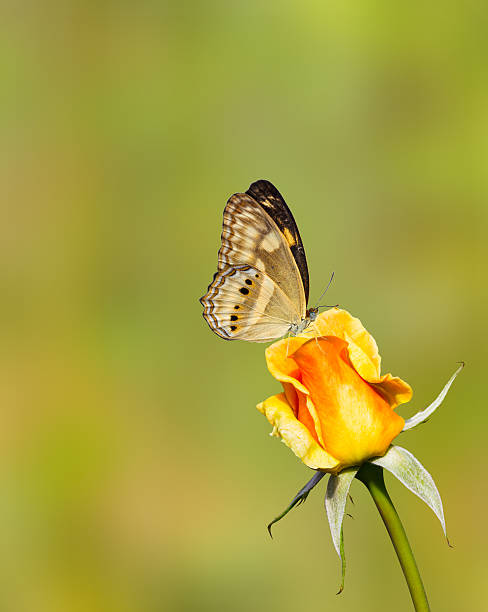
(312, 314)
(301, 326)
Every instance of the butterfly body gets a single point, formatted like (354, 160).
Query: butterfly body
(260, 290)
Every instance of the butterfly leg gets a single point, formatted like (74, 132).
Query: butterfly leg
(287, 345)
(316, 336)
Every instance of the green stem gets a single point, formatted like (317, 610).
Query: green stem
(372, 476)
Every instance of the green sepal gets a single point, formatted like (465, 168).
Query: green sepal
(299, 498)
(335, 506)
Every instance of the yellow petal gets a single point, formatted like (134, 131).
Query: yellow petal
(280, 363)
(294, 434)
(395, 390)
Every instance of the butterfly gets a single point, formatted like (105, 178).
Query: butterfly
(260, 290)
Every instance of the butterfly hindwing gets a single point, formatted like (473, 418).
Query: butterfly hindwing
(271, 200)
(243, 303)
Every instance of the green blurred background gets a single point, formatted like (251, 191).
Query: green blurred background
(135, 472)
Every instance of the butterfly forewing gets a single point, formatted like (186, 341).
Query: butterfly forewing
(273, 203)
(243, 303)
(250, 236)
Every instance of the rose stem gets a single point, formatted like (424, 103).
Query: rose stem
(372, 477)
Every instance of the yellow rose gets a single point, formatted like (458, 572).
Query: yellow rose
(336, 410)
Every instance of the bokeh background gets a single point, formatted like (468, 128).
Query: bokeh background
(135, 472)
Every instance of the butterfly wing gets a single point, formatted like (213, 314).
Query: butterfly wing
(272, 202)
(243, 303)
(250, 236)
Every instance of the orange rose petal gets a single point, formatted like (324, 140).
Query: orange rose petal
(363, 353)
(291, 396)
(357, 422)
(363, 349)
(295, 434)
(307, 414)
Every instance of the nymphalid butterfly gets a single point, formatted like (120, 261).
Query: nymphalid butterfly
(260, 290)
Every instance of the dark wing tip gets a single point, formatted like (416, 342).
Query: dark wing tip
(263, 188)
(261, 183)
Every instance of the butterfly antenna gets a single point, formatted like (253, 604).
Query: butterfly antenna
(325, 291)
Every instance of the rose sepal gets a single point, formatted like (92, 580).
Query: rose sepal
(411, 473)
(335, 506)
(299, 498)
(421, 416)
